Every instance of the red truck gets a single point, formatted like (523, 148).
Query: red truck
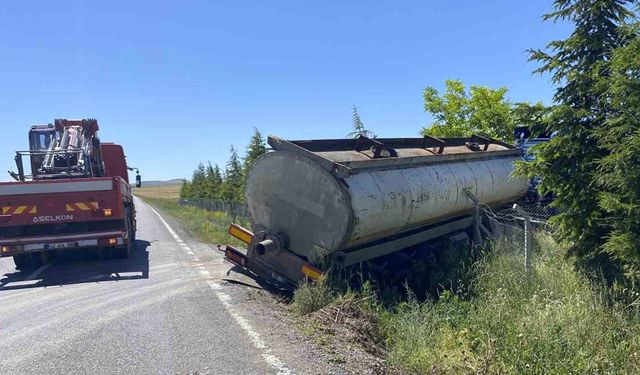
(77, 196)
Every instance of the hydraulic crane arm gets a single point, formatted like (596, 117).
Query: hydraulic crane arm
(65, 149)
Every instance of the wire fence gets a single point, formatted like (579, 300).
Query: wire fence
(235, 210)
(518, 225)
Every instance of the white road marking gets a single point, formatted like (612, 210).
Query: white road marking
(225, 299)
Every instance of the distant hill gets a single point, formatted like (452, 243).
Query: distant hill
(175, 181)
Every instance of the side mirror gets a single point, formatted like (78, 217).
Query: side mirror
(138, 181)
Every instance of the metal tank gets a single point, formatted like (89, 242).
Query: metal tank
(338, 197)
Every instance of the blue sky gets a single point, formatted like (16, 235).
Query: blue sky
(178, 82)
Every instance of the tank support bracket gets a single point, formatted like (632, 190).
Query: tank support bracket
(477, 217)
(370, 252)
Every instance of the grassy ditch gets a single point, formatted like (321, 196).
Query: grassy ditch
(207, 226)
(487, 316)
(550, 321)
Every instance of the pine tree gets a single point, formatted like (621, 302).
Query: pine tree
(233, 186)
(186, 190)
(619, 171)
(566, 163)
(199, 182)
(256, 148)
(214, 182)
(358, 126)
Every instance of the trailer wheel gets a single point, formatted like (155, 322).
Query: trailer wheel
(22, 261)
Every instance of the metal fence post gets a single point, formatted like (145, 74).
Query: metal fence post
(528, 237)
(477, 217)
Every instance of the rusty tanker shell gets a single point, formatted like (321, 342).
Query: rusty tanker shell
(330, 195)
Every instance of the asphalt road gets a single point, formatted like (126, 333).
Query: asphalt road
(163, 311)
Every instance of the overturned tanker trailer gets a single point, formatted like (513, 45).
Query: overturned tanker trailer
(353, 200)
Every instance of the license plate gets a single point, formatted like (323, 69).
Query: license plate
(61, 245)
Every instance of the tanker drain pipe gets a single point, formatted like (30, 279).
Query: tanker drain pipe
(272, 242)
(266, 245)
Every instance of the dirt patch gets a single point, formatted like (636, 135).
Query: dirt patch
(342, 338)
(350, 319)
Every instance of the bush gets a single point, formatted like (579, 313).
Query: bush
(311, 297)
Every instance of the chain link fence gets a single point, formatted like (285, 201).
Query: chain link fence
(235, 210)
(518, 223)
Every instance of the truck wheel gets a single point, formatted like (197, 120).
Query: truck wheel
(124, 252)
(22, 261)
(133, 235)
(132, 230)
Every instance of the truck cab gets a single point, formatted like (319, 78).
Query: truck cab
(40, 139)
(526, 142)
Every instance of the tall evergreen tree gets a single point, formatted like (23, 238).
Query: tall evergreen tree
(186, 190)
(256, 148)
(358, 126)
(619, 171)
(233, 186)
(566, 163)
(199, 182)
(214, 182)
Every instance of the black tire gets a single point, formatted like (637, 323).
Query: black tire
(22, 261)
(132, 232)
(125, 252)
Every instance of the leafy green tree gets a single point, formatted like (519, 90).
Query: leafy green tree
(578, 65)
(233, 186)
(618, 173)
(358, 126)
(483, 110)
(256, 148)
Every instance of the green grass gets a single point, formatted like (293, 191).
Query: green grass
(311, 297)
(207, 226)
(552, 321)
